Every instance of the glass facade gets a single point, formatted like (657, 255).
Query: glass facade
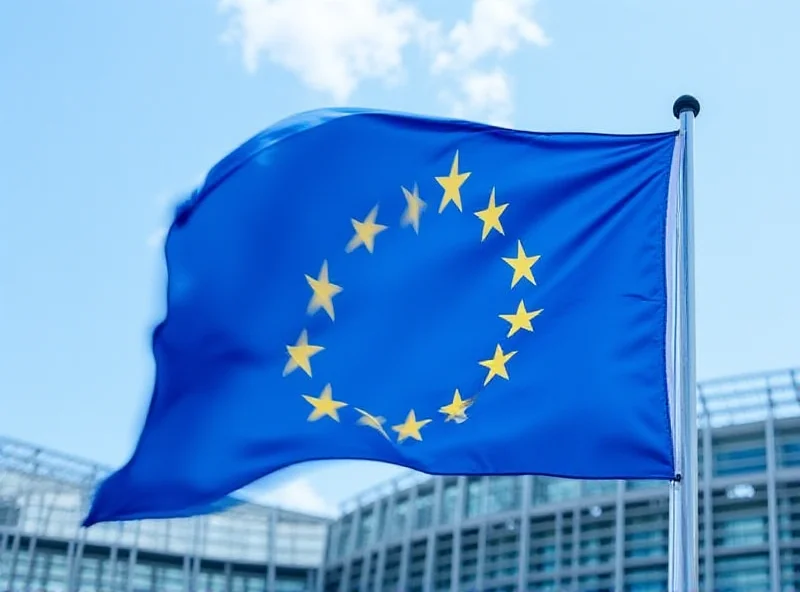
(515, 534)
(44, 496)
(460, 534)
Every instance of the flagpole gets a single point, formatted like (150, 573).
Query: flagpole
(683, 566)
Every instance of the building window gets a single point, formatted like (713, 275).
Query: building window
(503, 494)
(344, 536)
(400, 517)
(549, 489)
(734, 457)
(449, 498)
(742, 574)
(382, 509)
(474, 497)
(365, 527)
(599, 488)
(424, 511)
(742, 532)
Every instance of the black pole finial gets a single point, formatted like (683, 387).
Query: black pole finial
(685, 103)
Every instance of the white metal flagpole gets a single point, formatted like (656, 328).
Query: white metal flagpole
(683, 565)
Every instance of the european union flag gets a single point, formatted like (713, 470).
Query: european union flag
(442, 295)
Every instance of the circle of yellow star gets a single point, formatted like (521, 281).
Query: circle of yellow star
(414, 208)
(456, 410)
(324, 405)
(410, 427)
(300, 354)
(521, 319)
(497, 364)
(452, 186)
(522, 265)
(491, 217)
(324, 291)
(366, 232)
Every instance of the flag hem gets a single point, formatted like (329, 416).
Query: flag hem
(671, 268)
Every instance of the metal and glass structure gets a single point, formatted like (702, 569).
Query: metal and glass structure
(44, 496)
(509, 534)
(422, 534)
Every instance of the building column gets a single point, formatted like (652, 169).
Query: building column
(772, 500)
(373, 538)
(455, 567)
(114, 558)
(132, 560)
(430, 547)
(272, 548)
(366, 565)
(524, 545)
(408, 529)
(387, 529)
(350, 549)
(619, 543)
(228, 571)
(576, 544)
(37, 528)
(187, 573)
(202, 524)
(708, 506)
(16, 541)
(74, 564)
(484, 512)
(330, 553)
(559, 542)
(310, 583)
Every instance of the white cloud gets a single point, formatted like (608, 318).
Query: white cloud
(485, 96)
(330, 44)
(334, 45)
(495, 27)
(297, 494)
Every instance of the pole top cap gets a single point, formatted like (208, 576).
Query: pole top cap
(685, 103)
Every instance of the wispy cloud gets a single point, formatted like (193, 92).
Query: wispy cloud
(335, 45)
(483, 95)
(496, 28)
(331, 45)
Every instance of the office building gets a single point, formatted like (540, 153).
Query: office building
(44, 495)
(509, 534)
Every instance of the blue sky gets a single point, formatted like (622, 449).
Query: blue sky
(109, 110)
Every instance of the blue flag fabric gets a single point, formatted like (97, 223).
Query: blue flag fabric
(443, 295)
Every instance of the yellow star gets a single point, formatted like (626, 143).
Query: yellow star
(324, 405)
(410, 427)
(522, 264)
(324, 291)
(372, 421)
(366, 232)
(452, 186)
(491, 217)
(457, 409)
(414, 208)
(300, 354)
(497, 365)
(521, 319)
